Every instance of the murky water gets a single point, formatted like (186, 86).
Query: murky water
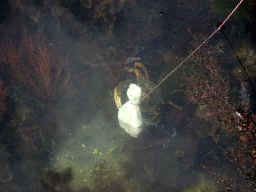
(65, 70)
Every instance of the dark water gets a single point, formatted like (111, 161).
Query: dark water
(62, 61)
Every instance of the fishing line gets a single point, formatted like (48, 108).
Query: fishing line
(191, 53)
(248, 77)
(183, 60)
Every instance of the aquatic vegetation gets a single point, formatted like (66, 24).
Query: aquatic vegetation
(246, 53)
(231, 124)
(105, 11)
(36, 63)
(207, 86)
(243, 153)
(82, 132)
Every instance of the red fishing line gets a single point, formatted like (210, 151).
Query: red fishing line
(192, 52)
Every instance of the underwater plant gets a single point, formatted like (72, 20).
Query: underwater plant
(36, 63)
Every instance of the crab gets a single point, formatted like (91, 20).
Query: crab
(150, 106)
